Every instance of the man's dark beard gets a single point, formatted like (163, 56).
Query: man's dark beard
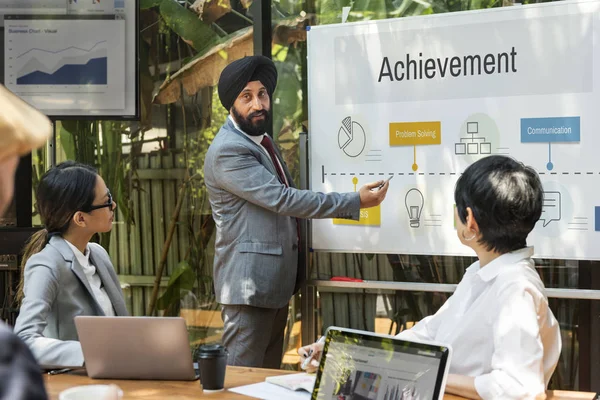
(248, 126)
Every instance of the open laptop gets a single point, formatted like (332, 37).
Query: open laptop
(135, 347)
(358, 365)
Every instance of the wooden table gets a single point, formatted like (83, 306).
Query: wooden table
(165, 390)
(235, 376)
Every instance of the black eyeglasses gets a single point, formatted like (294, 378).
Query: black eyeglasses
(108, 204)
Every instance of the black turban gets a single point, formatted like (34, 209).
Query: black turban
(236, 76)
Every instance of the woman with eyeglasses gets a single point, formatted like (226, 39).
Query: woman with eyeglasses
(63, 274)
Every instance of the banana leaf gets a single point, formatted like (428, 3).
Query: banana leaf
(146, 4)
(187, 25)
(204, 69)
(78, 141)
(180, 283)
(211, 10)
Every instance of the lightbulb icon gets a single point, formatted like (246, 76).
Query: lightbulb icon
(414, 205)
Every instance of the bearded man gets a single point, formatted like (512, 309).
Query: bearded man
(255, 207)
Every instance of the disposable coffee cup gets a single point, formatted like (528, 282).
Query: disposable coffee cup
(212, 361)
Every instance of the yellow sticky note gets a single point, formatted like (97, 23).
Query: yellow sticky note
(368, 216)
(415, 133)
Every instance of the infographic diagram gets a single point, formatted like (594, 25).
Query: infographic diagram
(352, 138)
(422, 115)
(60, 63)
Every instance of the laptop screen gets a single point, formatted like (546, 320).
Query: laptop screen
(363, 366)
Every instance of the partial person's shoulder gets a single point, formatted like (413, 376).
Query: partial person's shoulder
(520, 277)
(19, 372)
(227, 139)
(233, 143)
(9, 341)
(49, 256)
(521, 270)
(7, 333)
(23, 127)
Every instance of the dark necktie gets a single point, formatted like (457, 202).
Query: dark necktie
(268, 145)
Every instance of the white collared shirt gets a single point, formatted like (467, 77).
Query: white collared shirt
(94, 279)
(500, 328)
(258, 140)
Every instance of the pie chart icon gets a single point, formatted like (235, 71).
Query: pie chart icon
(352, 138)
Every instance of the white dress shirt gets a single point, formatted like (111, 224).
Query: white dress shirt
(258, 140)
(500, 328)
(94, 279)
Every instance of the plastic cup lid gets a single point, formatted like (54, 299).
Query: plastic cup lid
(212, 350)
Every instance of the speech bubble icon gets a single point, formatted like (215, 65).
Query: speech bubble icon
(551, 208)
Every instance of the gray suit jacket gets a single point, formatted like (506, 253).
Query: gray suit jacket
(256, 249)
(56, 291)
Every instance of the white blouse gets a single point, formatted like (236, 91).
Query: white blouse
(500, 328)
(94, 280)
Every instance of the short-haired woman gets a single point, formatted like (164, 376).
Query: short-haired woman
(505, 340)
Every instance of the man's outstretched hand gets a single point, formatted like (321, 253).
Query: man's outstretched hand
(371, 196)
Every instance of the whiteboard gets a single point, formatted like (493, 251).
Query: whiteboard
(421, 98)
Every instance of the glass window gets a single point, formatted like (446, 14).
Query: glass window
(163, 225)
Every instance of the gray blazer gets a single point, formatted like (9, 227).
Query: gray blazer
(256, 248)
(56, 291)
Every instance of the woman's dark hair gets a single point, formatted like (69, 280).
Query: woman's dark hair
(63, 190)
(506, 199)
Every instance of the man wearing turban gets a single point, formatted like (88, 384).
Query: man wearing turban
(255, 207)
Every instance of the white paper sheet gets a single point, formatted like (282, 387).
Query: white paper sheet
(267, 391)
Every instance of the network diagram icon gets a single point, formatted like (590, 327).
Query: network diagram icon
(473, 144)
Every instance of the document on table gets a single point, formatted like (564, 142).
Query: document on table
(302, 381)
(268, 391)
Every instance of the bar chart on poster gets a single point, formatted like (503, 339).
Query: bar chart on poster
(422, 98)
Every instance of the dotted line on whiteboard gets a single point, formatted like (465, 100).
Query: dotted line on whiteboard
(438, 173)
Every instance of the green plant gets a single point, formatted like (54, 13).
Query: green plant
(170, 33)
(180, 284)
(198, 218)
(100, 144)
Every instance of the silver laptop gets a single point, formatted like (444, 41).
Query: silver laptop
(135, 347)
(359, 365)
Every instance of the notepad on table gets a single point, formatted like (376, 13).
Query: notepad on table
(288, 387)
(302, 381)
